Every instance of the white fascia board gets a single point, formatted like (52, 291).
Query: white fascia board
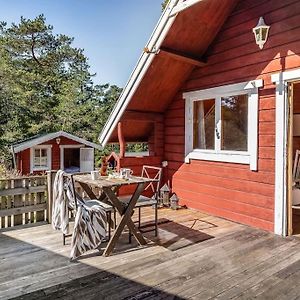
(154, 43)
(31, 143)
(183, 5)
(50, 136)
(80, 140)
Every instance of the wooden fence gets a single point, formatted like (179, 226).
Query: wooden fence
(23, 200)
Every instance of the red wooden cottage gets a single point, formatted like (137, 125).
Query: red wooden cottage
(54, 151)
(217, 106)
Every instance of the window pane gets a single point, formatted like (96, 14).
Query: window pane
(234, 123)
(43, 152)
(40, 158)
(43, 162)
(36, 161)
(204, 124)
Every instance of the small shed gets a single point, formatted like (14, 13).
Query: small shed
(53, 151)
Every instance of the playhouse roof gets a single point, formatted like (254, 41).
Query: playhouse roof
(177, 45)
(36, 140)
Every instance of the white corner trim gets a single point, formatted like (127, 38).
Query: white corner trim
(280, 207)
(49, 158)
(280, 211)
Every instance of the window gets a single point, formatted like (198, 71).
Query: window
(41, 158)
(204, 124)
(234, 120)
(221, 124)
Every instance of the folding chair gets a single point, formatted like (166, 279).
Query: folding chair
(145, 201)
(296, 182)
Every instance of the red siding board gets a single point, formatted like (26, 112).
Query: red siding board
(233, 191)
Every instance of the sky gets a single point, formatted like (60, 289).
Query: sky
(113, 33)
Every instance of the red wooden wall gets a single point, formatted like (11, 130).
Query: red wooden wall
(136, 165)
(23, 157)
(232, 190)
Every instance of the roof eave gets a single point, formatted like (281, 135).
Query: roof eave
(141, 68)
(42, 139)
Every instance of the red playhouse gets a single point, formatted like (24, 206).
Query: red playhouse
(54, 151)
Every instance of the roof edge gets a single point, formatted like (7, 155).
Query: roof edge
(144, 62)
(44, 138)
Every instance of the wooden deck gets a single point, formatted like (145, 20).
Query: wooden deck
(195, 257)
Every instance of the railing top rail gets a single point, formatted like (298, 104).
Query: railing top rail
(24, 177)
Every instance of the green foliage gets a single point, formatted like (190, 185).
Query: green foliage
(164, 4)
(46, 85)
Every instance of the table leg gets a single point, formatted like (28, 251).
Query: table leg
(125, 219)
(102, 198)
(88, 190)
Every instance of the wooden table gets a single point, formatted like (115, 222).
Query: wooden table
(110, 186)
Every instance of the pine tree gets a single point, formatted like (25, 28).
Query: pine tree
(46, 85)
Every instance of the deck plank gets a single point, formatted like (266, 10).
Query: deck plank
(196, 256)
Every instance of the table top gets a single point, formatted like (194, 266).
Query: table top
(105, 181)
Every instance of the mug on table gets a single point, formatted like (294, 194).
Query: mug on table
(94, 175)
(125, 173)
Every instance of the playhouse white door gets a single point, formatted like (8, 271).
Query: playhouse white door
(86, 159)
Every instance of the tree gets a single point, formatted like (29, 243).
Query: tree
(46, 85)
(164, 4)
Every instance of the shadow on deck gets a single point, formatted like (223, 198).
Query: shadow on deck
(195, 256)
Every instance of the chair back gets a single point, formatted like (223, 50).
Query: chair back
(152, 173)
(296, 168)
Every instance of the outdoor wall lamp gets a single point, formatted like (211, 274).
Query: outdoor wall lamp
(58, 141)
(261, 32)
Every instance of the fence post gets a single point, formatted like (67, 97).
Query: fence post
(50, 180)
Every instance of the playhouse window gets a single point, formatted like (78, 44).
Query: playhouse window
(40, 158)
(221, 124)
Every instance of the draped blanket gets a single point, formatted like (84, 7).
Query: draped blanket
(89, 228)
(90, 220)
(60, 212)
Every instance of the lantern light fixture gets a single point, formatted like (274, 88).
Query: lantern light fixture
(174, 202)
(165, 195)
(57, 140)
(261, 32)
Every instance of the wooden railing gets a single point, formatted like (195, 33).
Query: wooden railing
(23, 200)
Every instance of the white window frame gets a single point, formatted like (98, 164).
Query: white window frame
(49, 158)
(241, 157)
(62, 149)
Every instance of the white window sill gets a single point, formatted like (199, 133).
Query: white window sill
(41, 169)
(224, 156)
